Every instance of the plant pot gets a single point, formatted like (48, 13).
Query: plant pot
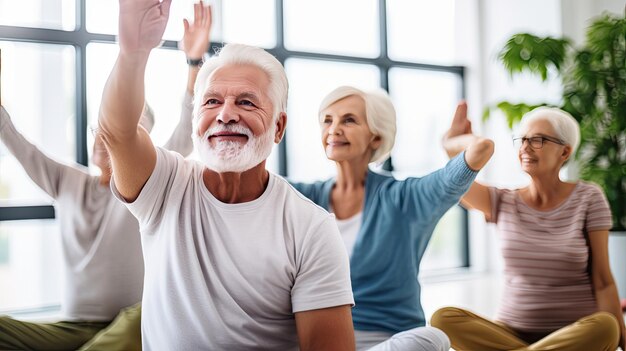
(617, 259)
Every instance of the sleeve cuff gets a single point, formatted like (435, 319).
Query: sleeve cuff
(460, 172)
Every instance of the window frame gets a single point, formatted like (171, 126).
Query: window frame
(79, 38)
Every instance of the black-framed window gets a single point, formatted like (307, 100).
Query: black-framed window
(56, 55)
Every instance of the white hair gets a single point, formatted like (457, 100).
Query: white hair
(241, 54)
(379, 113)
(565, 126)
(231, 156)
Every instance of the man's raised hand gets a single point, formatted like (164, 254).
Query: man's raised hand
(141, 24)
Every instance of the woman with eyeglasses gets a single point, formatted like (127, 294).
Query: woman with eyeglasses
(559, 293)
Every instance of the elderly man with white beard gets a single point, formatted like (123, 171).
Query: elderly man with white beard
(235, 258)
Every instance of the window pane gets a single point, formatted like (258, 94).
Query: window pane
(421, 31)
(446, 247)
(249, 22)
(53, 14)
(425, 102)
(100, 61)
(38, 84)
(166, 77)
(30, 264)
(350, 28)
(309, 82)
(102, 17)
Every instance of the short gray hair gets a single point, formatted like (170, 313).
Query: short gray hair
(379, 113)
(246, 55)
(565, 126)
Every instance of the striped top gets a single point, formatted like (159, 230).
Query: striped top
(546, 257)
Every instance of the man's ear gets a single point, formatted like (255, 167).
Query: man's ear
(281, 127)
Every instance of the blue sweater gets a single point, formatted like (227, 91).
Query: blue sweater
(398, 220)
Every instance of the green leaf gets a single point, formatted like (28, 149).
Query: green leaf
(594, 92)
(512, 112)
(527, 52)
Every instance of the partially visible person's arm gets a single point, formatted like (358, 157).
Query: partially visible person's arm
(44, 171)
(133, 157)
(196, 39)
(460, 137)
(603, 283)
(326, 329)
(180, 140)
(195, 44)
(477, 152)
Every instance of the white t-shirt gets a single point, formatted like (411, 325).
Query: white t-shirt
(349, 229)
(102, 264)
(230, 276)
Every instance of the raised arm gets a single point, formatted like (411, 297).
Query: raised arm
(44, 171)
(133, 157)
(477, 152)
(326, 329)
(195, 44)
(196, 39)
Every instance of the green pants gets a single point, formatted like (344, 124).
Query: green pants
(124, 333)
(18, 335)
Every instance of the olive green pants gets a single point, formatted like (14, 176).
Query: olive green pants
(468, 331)
(124, 333)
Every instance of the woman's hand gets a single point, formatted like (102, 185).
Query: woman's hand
(460, 136)
(460, 123)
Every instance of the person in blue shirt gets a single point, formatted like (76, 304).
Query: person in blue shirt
(385, 223)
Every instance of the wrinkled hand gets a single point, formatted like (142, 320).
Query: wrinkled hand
(196, 39)
(141, 24)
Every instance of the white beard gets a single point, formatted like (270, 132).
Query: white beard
(232, 156)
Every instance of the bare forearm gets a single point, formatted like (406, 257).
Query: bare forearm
(191, 78)
(608, 301)
(123, 97)
(133, 156)
(478, 153)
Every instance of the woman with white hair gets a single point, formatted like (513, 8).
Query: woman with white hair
(385, 223)
(559, 293)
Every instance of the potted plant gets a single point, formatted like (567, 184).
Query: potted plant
(594, 92)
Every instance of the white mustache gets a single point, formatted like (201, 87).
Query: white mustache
(231, 128)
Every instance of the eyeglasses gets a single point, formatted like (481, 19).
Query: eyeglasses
(536, 142)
